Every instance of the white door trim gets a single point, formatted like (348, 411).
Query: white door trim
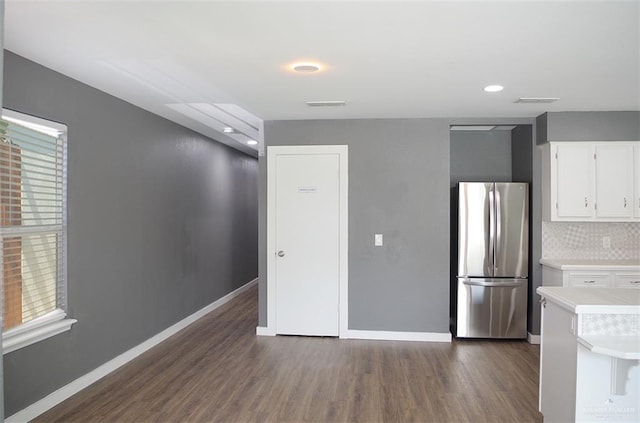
(343, 152)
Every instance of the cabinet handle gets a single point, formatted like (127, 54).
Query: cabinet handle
(634, 282)
(586, 203)
(589, 281)
(625, 202)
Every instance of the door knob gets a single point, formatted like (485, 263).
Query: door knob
(280, 253)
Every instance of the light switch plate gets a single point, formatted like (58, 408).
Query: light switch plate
(606, 242)
(377, 240)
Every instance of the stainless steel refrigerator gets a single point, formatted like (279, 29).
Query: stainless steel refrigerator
(493, 240)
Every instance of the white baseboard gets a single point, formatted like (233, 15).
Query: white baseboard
(265, 331)
(55, 398)
(399, 336)
(533, 339)
(378, 335)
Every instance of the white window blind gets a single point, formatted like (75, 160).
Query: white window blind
(32, 222)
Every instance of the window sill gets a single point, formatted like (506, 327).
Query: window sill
(36, 330)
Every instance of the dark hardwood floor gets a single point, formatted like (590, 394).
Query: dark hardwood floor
(219, 370)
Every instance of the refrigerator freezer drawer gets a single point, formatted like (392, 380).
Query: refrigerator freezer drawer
(492, 308)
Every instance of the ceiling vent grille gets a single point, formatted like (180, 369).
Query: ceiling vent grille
(537, 100)
(328, 103)
(472, 127)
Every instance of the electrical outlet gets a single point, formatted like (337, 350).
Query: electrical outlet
(572, 329)
(606, 242)
(377, 240)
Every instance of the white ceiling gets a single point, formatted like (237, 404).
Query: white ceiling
(386, 59)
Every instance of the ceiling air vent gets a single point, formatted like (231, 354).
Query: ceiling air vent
(328, 103)
(536, 100)
(472, 127)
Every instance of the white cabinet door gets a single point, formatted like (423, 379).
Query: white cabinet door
(636, 182)
(614, 180)
(574, 171)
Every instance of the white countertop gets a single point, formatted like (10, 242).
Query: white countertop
(625, 347)
(573, 264)
(593, 300)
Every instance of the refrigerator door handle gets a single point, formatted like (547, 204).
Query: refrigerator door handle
(494, 284)
(492, 229)
(498, 228)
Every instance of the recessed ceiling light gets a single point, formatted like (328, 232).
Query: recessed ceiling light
(306, 67)
(228, 130)
(252, 142)
(493, 88)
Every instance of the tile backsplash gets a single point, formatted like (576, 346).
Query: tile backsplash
(610, 324)
(583, 240)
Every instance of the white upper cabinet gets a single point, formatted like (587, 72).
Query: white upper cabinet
(614, 181)
(574, 180)
(586, 181)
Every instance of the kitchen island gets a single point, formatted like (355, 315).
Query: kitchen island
(590, 354)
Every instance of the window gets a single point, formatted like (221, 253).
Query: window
(32, 229)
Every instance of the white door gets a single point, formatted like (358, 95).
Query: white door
(306, 254)
(575, 180)
(614, 180)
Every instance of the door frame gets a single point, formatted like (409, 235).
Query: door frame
(343, 244)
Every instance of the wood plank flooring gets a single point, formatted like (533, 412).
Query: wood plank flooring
(218, 370)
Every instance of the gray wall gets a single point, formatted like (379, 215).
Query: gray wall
(526, 168)
(161, 222)
(399, 186)
(1, 287)
(588, 126)
(478, 156)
